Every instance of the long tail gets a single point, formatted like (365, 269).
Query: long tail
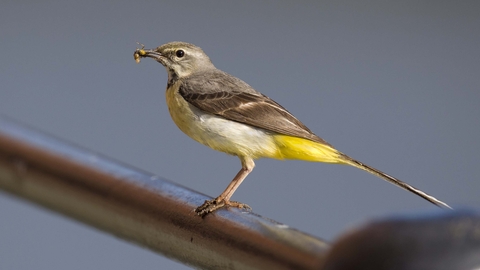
(394, 181)
(299, 148)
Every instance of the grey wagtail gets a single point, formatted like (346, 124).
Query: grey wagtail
(226, 114)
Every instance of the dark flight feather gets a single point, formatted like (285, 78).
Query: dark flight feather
(220, 95)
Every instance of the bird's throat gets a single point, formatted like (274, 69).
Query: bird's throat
(172, 78)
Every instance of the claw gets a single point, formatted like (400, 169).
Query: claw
(210, 206)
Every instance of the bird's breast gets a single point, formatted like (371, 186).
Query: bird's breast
(217, 132)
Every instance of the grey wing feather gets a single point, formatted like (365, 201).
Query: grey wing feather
(227, 96)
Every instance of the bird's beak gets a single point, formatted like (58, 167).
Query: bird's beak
(141, 53)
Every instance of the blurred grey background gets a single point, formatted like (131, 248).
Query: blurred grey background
(395, 84)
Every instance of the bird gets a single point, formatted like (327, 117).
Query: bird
(226, 114)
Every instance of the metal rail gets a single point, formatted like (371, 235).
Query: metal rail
(143, 208)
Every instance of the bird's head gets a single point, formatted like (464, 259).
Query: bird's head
(181, 59)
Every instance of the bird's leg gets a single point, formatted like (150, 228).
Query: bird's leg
(224, 198)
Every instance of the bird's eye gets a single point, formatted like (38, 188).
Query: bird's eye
(179, 53)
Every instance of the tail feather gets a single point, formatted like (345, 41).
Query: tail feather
(395, 181)
(290, 147)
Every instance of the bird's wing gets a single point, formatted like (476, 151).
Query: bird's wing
(222, 94)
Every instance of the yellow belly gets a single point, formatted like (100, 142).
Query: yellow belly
(291, 147)
(242, 140)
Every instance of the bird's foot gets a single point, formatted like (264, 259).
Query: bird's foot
(210, 206)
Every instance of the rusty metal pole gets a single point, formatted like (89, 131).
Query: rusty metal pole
(143, 208)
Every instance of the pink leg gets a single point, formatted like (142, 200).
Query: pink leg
(224, 199)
